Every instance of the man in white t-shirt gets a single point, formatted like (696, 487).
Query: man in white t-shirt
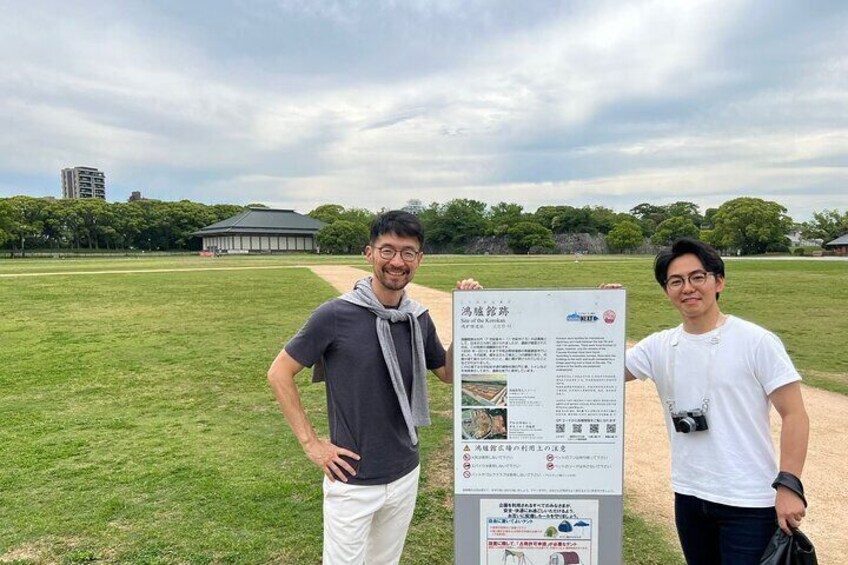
(716, 376)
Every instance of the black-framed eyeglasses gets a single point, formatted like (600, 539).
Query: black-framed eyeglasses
(388, 253)
(696, 279)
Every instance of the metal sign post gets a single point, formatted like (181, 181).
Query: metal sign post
(538, 426)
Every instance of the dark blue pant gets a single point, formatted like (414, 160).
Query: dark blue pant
(717, 534)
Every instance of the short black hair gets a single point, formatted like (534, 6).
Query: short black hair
(708, 256)
(398, 222)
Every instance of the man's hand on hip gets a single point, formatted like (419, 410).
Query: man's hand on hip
(328, 457)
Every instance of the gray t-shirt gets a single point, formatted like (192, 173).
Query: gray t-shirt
(362, 407)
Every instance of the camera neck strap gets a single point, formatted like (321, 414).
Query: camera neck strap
(714, 342)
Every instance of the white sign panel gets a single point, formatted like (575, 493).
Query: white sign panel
(539, 391)
(520, 532)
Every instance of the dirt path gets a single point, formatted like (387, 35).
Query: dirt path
(647, 482)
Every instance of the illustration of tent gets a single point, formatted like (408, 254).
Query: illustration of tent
(565, 526)
(564, 558)
(515, 557)
(581, 524)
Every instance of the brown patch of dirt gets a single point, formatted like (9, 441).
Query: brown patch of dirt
(49, 551)
(287, 558)
(28, 552)
(646, 453)
(841, 378)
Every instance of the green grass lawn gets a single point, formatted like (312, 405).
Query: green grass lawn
(136, 425)
(119, 263)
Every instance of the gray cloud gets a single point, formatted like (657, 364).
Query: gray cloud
(298, 103)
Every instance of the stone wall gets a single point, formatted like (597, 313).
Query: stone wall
(566, 243)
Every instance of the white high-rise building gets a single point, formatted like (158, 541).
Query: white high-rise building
(83, 182)
(414, 206)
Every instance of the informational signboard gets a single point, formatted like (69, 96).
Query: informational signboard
(538, 430)
(539, 531)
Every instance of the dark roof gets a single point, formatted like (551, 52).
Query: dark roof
(841, 240)
(264, 221)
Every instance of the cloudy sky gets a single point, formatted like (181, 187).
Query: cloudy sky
(369, 103)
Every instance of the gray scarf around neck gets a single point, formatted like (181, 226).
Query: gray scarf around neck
(418, 413)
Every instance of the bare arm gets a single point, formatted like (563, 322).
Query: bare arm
(628, 376)
(794, 435)
(445, 373)
(321, 452)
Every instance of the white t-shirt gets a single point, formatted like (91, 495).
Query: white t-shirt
(733, 462)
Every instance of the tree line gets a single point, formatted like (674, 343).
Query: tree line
(94, 224)
(747, 225)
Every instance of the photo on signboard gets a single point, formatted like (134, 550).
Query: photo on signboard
(484, 390)
(484, 423)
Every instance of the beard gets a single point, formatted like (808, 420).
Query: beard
(390, 281)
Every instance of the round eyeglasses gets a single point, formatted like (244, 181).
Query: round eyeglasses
(388, 253)
(696, 279)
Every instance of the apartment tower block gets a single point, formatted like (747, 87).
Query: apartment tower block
(83, 182)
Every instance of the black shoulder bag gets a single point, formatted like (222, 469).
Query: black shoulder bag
(783, 549)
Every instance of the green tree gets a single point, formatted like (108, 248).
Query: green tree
(24, 221)
(625, 236)
(545, 215)
(751, 225)
(504, 215)
(430, 218)
(684, 209)
(224, 211)
(650, 216)
(453, 224)
(708, 221)
(343, 237)
(154, 230)
(652, 212)
(359, 216)
(127, 224)
(826, 225)
(574, 220)
(332, 213)
(327, 213)
(604, 219)
(648, 227)
(526, 236)
(182, 219)
(53, 229)
(5, 221)
(91, 215)
(92, 223)
(674, 228)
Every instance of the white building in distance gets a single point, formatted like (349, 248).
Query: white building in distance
(262, 230)
(83, 182)
(414, 206)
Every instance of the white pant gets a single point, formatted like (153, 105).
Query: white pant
(368, 524)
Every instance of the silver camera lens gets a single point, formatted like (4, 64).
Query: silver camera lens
(687, 424)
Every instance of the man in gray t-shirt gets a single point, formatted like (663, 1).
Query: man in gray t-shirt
(372, 346)
(362, 406)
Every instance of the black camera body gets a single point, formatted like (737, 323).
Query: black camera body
(687, 421)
